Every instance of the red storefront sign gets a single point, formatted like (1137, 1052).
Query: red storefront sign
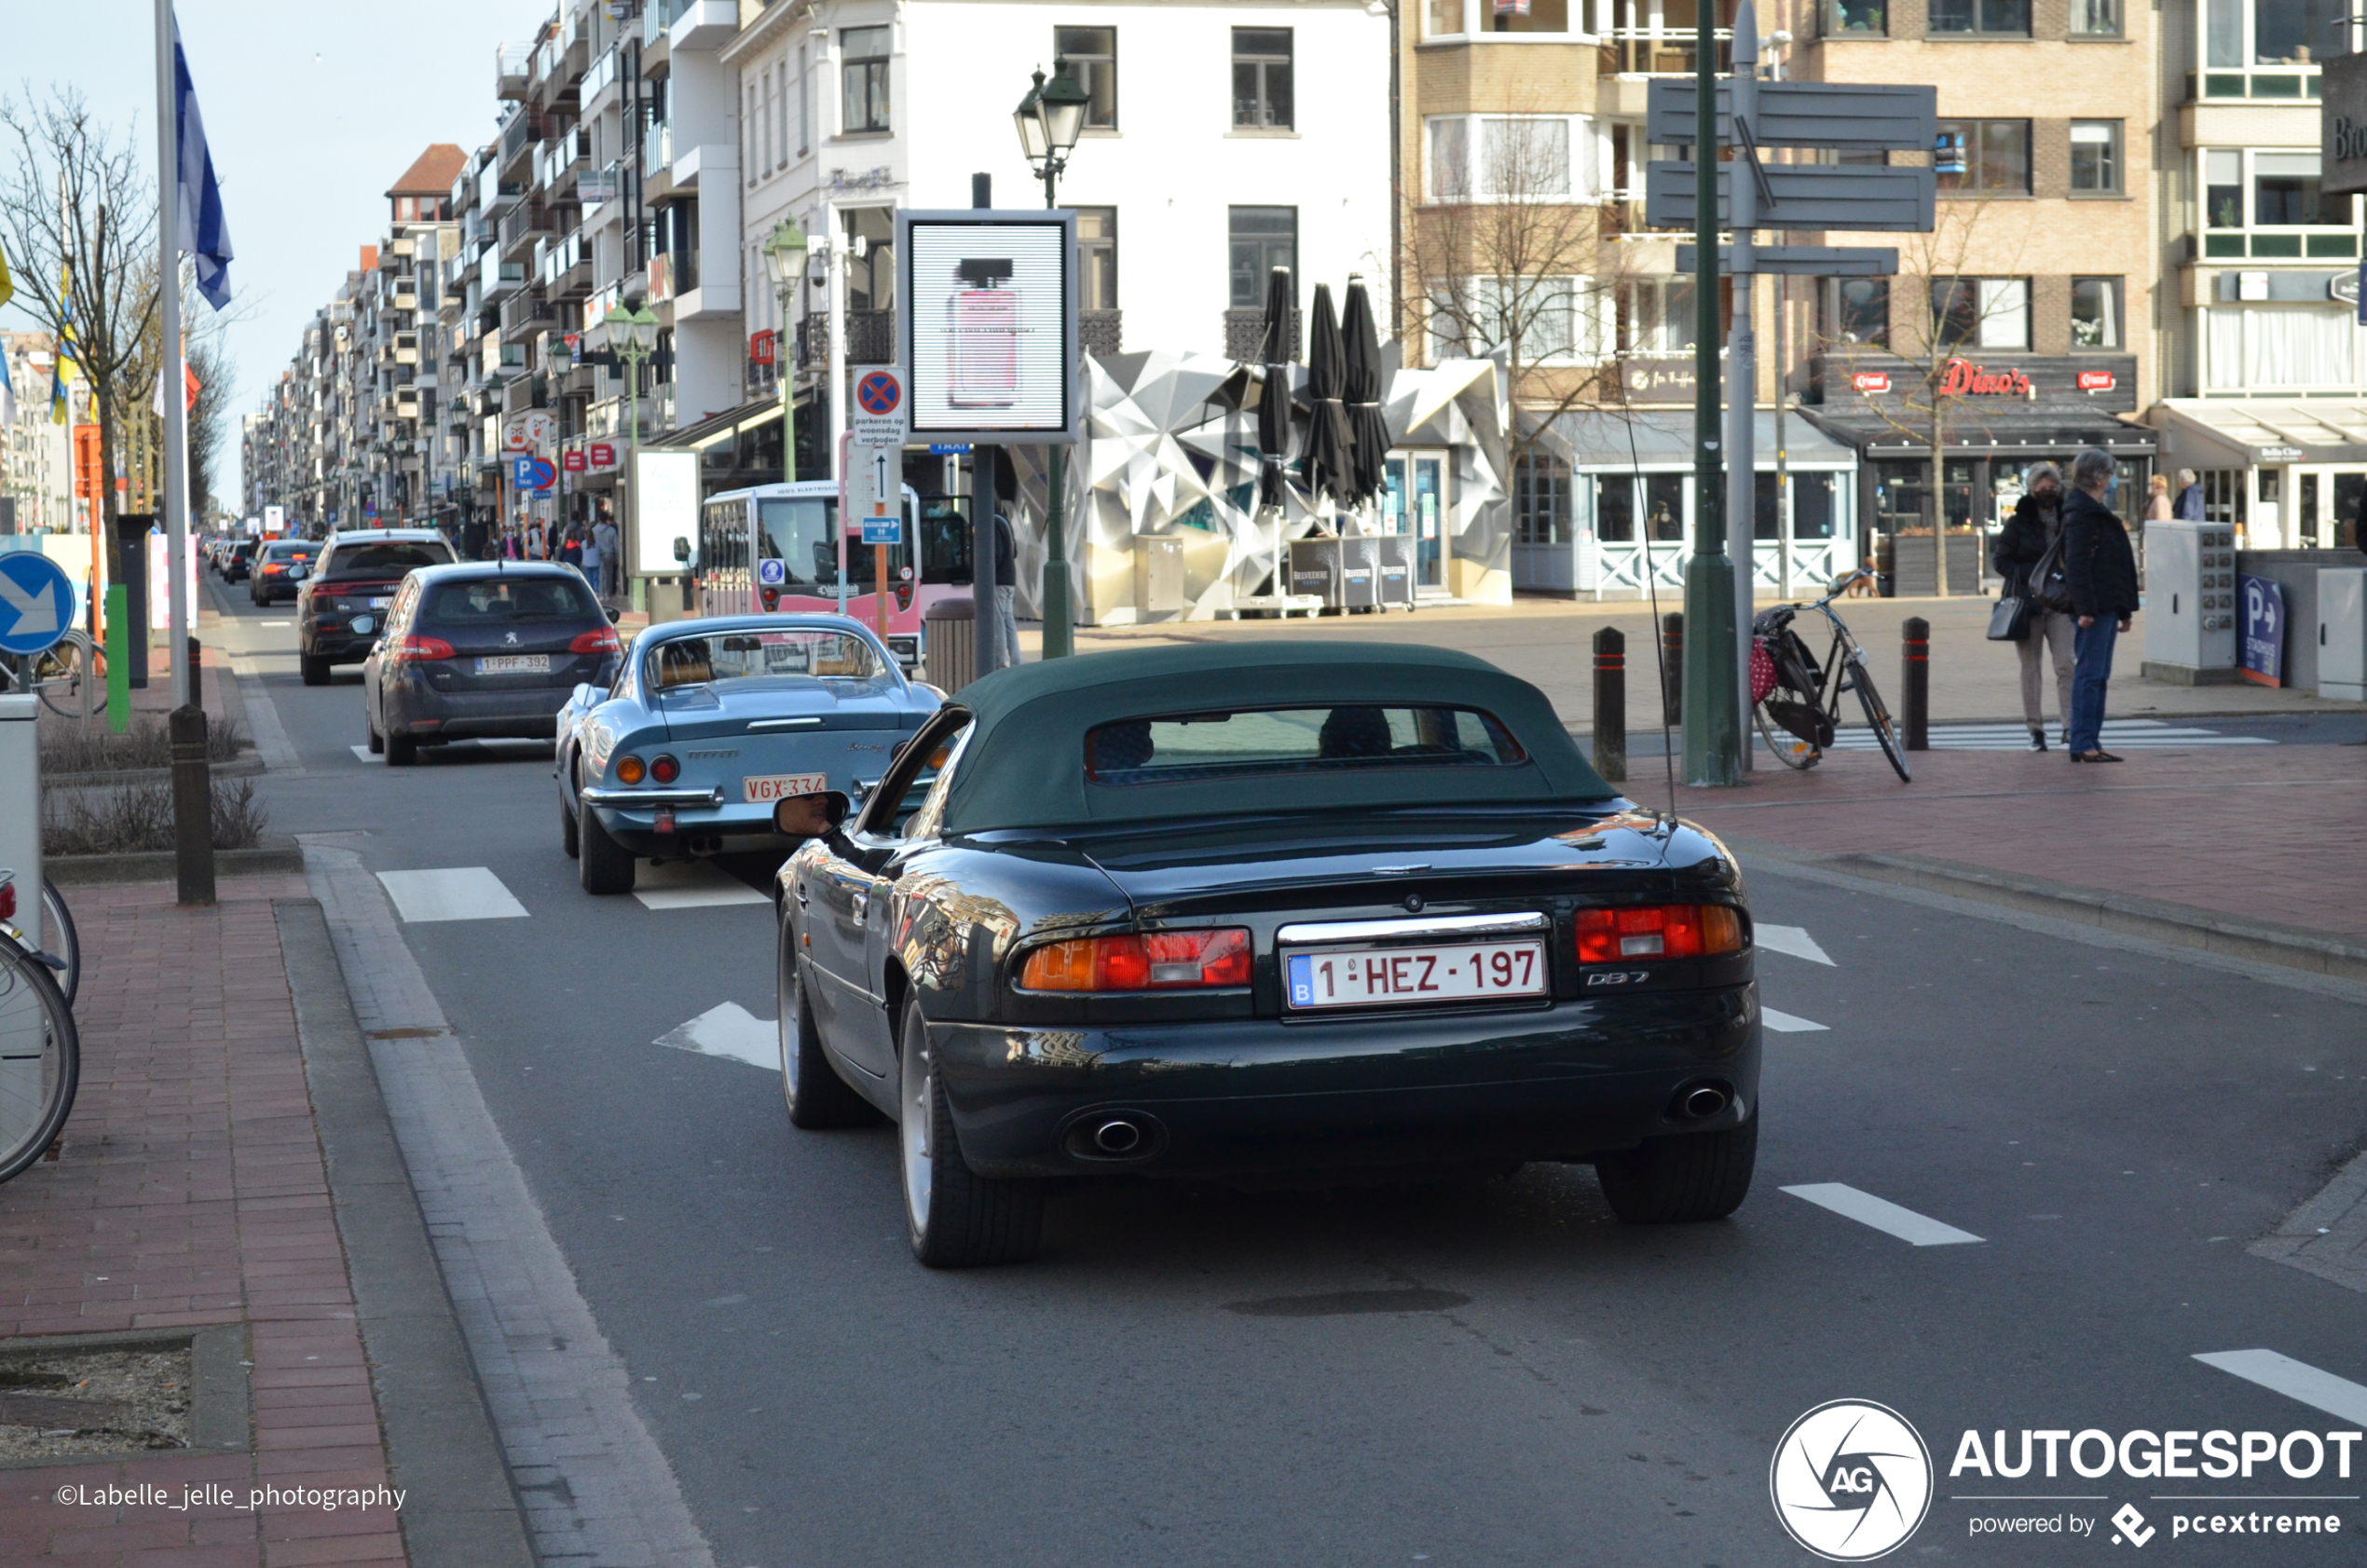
(1964, 378)
(761, 348)
(1871, 381)
(2097, 381)
(603, 456)
(572, 461)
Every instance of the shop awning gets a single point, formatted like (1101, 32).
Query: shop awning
(717, 429)
(2242, 432)
(1662, 439)
(1988, 433)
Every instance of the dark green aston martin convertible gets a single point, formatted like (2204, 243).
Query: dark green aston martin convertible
(1263, 906)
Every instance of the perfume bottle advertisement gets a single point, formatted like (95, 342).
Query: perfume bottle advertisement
(989, 327)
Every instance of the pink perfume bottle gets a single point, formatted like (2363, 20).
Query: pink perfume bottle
(984, 323)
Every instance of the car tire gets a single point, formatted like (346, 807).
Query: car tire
(1682, 1179)
(570, 834)
(956, 1220)
(401, 751)
(377, 742)
(604, 865)
(811, 1087)
(315, 671)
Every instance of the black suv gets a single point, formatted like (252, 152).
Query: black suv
(341, 608)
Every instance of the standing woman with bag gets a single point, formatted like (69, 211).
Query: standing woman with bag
(2021, 545)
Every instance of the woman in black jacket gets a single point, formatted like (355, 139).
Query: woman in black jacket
(2020, 544)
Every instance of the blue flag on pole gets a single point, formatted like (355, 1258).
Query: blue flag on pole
(203, 232)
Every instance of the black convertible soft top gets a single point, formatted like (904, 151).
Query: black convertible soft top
(1025, 766)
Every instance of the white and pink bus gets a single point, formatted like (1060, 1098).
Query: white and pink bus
(778, 547)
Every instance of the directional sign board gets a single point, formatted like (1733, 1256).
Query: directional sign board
(878, 417)
(1806, 196)
(37, 602)
(1851, 114)
(873, 493)
(1805, 261)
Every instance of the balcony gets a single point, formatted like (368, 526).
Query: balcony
(565, 267)
(2291, 84)
(597, 188)
(521, 226)
(2315, 243)
(701, 24)
(524, 312)
(1646, 52)
(1245, 335)
(404, 299)
(600, 79)
(511, 63)
(562, 159)
(499, 278)
(657, 152)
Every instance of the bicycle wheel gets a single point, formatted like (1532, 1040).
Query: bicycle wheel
(58, 675)
(1878, 720)
(61, 940)
(1787, 748)
(40, 1059)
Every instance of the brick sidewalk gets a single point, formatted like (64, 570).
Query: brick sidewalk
(2270, 833)
(192, 1192)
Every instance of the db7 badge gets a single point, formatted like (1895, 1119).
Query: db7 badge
(1620, 977)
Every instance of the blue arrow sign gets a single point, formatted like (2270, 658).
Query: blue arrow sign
(883, 530)
(37, 602)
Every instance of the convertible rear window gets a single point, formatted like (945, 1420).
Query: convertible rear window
(750, 655)
(1225, 742)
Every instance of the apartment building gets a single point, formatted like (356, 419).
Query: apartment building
(36, 458)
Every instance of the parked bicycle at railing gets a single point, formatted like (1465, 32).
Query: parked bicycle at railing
(1796, 700)
(64, 676)
(40, 1053)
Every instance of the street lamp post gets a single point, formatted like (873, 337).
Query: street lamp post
(784, 255)
(1049, 119)
(633, 337)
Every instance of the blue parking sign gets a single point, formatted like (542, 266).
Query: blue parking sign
(37, 602)
(883, 530)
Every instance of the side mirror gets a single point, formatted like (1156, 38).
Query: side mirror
(298, 571)
(809, 816)
(614, 615)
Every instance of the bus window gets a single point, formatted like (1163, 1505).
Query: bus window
(945, 539)
(798, 533)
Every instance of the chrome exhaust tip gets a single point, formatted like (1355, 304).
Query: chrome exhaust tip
(1117, 1136)
(1705, 1102)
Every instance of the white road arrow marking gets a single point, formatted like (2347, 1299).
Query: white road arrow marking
(1784, 1023)
(1792, 939)
(2337, 1397)
(36, 611)
(731, 1032)
(1881, 1213)
(455, 892)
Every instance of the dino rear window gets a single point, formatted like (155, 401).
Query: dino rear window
(1359, 738)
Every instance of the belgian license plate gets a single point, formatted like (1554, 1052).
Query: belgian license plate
(1408, 976)
(763, 789)
(515, 664)
(381, 604)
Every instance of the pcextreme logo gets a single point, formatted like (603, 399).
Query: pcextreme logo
(1850, 1480)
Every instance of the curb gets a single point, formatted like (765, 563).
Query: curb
(275, 856)
(246, 766)
(2179, 925)
(460, 1508)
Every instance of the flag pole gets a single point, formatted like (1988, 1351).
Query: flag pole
(172, 380)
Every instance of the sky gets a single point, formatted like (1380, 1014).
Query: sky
(312, 109)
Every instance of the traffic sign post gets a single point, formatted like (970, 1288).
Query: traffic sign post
(874, 501)
(878, 415)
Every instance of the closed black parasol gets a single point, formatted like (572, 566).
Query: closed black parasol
(1274, 401)
(1324, 465)
(1368, 430)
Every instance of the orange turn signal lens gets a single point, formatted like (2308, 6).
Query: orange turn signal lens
(1658, 932)
(1166, 960)
(629, 770)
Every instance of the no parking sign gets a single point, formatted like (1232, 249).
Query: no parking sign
(878, 417)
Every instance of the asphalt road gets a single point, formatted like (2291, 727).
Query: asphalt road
(1494, 1373)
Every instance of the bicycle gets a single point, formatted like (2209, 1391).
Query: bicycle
(40, 1053)
(55, 675)
(1798, 714)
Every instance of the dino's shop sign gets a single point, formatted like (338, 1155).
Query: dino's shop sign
(1961, 378)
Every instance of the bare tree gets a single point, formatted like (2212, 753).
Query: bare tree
(79, 205)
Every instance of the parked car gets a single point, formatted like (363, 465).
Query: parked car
(712, 721)
(242, 556)
(342, 608)
(1261, 907)
(483, 651)
(278, 570)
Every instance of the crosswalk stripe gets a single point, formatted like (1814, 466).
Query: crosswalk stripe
(1785, 1023)
(690, 885)
(2337, 1397)
(2133, 734)
(1792, 939)
(1882, 1214)
(731, 1032)
(455, 892)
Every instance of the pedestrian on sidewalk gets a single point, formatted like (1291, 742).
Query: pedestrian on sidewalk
(2157, 507)
(2038, 516)
(590, 564)
(604, 535)
(2190, 497)
(2100, 569)
(571, 551)
(1007, 579)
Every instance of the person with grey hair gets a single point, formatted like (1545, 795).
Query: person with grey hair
(2190, 497)
(2037, 517)
(2099, 569)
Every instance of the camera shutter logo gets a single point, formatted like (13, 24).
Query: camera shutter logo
(1850, 1480)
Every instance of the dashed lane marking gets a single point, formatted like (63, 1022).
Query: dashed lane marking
(1792, 939)
(1785, 1023)
(2338, 1397)
(1882, 1214)
(730, 1031)
(363, 754)
(456, 893)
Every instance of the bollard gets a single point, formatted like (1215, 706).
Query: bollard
(1610, 704)
(192, 806)
(1915, 708)
(197, 674)
(1673, 668)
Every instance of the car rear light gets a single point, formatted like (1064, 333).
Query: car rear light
(665, 770)
(274, 567)
(602, 641)
(1166, 961)
(903, 596)
(7, 901)
(629, 770)
(412, 645)
(772, 598)
(1658, 931)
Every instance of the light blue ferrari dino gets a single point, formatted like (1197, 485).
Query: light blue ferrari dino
(713, 723)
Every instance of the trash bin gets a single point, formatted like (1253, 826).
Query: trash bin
(950, 656)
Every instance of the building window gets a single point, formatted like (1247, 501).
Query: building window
(1860, 19)
(2282, 32)
(1656, 317)
(754, 149)
(1530, 16)
(2010, 17)
(2223, 188)
(804, 106)
(2095, 315)
(1259, 239)
(1097, 258)
(1261, 97)
(1093, 56)
(1443, 19)
(2095, 158)
(1536, 318)
(2285, 191)
(1450, 158)
(864, 51)
(1854, 311)
(1990, 158)
(1521, 158)
(1981, 312)
(2095, 18)
(1542, 493)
